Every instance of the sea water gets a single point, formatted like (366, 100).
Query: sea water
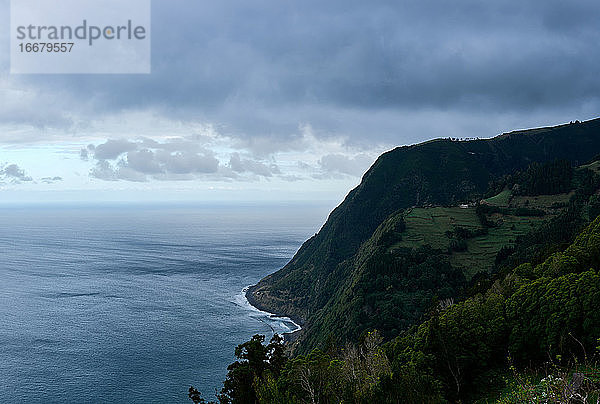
(133, 304)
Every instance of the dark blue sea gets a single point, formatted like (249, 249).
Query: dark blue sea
(133, 304)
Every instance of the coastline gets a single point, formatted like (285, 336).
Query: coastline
(288, 336)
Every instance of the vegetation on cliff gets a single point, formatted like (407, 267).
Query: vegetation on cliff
(456, 272)
(440, 173)
(487, 348)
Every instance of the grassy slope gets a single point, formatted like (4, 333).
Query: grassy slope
(440, 172)
(502, 199)
(429, 226)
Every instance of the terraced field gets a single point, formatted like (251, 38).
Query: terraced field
(502, 199)
(430, 226)
(546, 202)
(481, 251)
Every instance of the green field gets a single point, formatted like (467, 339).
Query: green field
(539, 202)
(502, 199)
(506, 199)
(595, 166)
(429, 226)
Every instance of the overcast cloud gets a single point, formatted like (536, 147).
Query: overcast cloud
(176, 159)
(249, 65)
(256, 76)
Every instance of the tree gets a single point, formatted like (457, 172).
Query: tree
(257, 360)
(195, 396)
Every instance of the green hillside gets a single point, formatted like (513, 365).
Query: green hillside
(422, 255)
(431, 226)
(455, 272)
(531, 337)
(436, 173)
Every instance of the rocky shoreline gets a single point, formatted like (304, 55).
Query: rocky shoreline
(260, 305)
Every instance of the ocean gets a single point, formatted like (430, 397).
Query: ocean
(133, 304)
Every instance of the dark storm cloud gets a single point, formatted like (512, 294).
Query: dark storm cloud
(264, 67)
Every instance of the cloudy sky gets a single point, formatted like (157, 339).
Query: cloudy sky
(266, 99)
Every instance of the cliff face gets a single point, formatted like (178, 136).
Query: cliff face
(439, 172)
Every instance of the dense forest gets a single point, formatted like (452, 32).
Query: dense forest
(468, 293)
(440, 172)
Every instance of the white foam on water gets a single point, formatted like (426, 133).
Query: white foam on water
(278, 324)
